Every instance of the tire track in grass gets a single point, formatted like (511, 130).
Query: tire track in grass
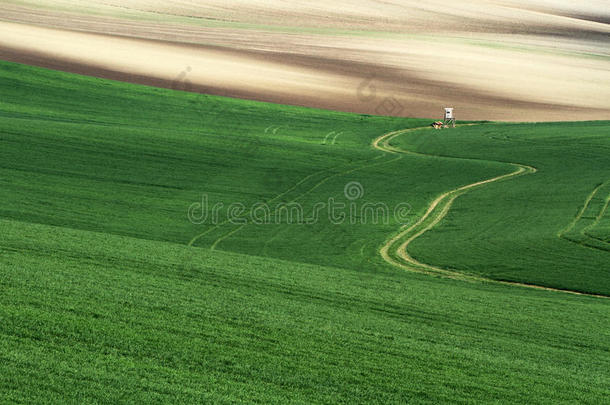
(395, 250)
(581, 212)
(581, 235)
(315, 186)
(599, 217)
(277, 197)
(303, 180)
(232, 232)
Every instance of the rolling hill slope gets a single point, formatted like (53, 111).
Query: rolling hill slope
(111, 157)
(94, 317)
(530, 230)
(103, 299)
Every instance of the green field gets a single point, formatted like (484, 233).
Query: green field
(529, 230)
(110, 293)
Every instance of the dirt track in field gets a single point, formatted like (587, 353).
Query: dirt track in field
(499, 60)
(395, 250)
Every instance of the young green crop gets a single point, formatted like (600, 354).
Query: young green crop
(534, 229)
(131, 160)
(94, 317)
(102, 299)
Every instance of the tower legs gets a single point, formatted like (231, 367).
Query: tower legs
(449, 121)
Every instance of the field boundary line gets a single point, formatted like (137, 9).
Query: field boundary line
(394, 250)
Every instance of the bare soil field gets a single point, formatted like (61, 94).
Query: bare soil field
(499, 60)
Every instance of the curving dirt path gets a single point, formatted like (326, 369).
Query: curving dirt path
(395, 250)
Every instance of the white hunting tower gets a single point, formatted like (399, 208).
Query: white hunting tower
(449, 117)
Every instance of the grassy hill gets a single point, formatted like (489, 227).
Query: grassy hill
(131, 160)
(103, 299)
(92, 316)
(546, 228)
